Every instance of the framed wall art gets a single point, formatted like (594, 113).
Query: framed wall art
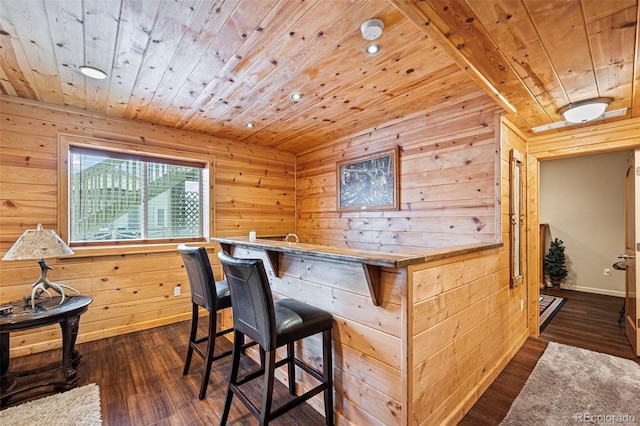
(369, 182)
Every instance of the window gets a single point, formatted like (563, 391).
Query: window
(120, 196)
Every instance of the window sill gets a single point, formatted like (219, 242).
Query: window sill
(122, 250)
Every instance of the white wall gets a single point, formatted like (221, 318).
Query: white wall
(583, 200)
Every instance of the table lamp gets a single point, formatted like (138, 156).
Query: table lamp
(38, 244)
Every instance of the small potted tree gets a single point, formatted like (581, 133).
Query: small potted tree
(554, 263)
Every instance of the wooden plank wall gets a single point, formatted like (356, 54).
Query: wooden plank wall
(254, 189)
(597, 138)
(466, 321)
(447, 183)
(367, 339)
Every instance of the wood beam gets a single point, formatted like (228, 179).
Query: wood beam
(473, 49)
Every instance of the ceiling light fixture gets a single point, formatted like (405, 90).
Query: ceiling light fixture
(372, 49)
(562, 124)
(371, 29)
(585, 110)
(93, 72)
(296, 97)
(249, 125)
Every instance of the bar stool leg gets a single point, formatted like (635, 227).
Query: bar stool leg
(291, 368)
(327, 375)
(211, 344)
(192, 338)
(233, 377)
(269, 377)
(261, 358)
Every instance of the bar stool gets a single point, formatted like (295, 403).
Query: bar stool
(211, 295)
(272, 325)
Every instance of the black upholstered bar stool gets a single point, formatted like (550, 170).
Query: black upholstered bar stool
(212, 296)
(272, 325)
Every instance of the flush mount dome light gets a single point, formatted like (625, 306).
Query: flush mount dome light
(93, 72)
(296, 97)
(372, 49)
(371, 29)
(249, 125)
(586, 110)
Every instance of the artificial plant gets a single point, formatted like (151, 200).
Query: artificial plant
(555, 262)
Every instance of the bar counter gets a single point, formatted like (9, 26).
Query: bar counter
(371, 261)
(390, 350)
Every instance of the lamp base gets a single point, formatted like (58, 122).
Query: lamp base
(43, 284)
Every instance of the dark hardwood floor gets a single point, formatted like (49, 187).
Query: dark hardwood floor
(586, 320)
(141, 381)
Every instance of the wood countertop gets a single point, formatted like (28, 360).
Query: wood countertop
(371, 261)
(391, 260)
(376, 258)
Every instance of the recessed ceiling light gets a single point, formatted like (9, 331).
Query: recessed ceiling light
(372, 49)
(93, 72)
(296, 97)
(249, 125)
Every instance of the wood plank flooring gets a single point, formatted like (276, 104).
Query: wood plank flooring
(586, 320)
(141, 381)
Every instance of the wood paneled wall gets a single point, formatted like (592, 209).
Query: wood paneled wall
(597, 138)
(466, 321)
(368, 341)
(132, 290)
(447, 183)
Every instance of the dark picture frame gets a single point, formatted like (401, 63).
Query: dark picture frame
(369, 182)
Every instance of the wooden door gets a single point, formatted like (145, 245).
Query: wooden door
(632, 241)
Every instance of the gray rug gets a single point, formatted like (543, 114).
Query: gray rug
(75, 407)
(570, 386)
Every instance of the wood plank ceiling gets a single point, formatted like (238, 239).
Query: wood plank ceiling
(213, 66)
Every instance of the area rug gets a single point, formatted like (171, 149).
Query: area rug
(571, 385)
(76, 407)
(549, 307)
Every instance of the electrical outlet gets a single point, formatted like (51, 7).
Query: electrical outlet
(176, 291)
(607, 272)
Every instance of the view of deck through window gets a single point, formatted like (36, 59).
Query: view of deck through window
(118, 197)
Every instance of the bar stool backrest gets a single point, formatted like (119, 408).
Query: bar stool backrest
(251, 298)
(201, 279)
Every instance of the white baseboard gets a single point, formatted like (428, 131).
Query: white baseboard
(595, 290)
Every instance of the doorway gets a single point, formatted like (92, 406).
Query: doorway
(582, 199)
(584, 191)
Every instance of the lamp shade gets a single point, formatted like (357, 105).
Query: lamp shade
(37, 244)
(586, 110)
